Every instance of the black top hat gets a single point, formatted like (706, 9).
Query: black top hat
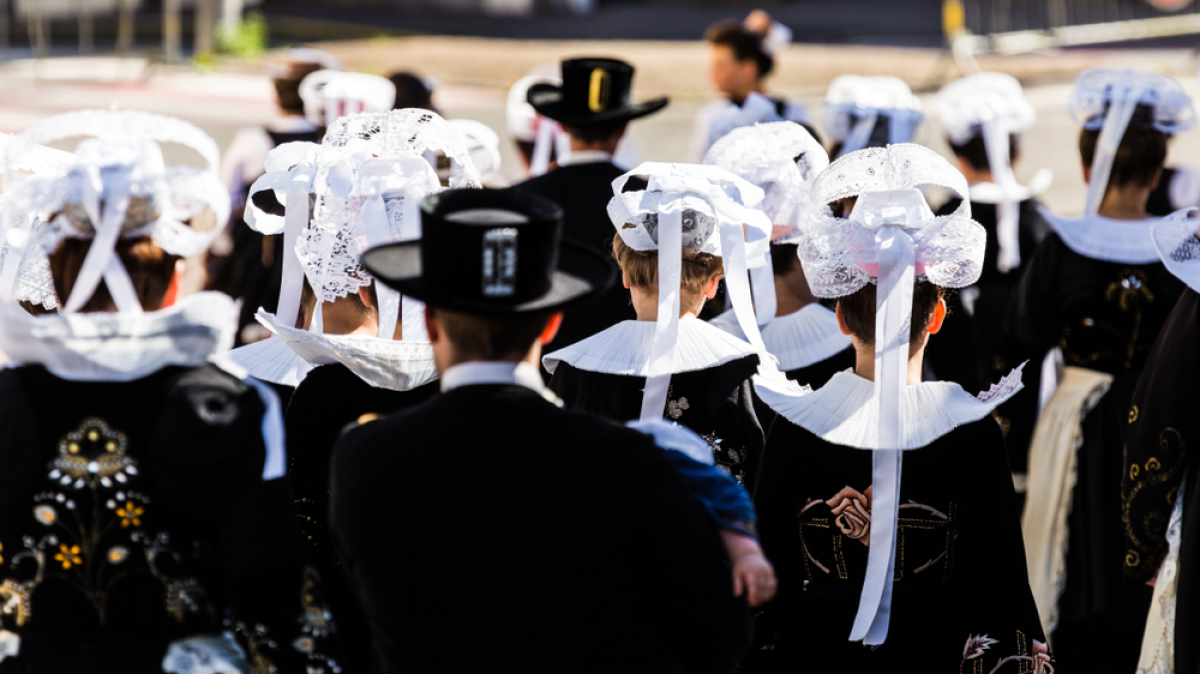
(594, 91)
(492, 252)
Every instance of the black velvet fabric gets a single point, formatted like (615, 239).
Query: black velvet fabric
(960, 565)
(144, 501)
(330, 398)
(487, 529)
(820, 372)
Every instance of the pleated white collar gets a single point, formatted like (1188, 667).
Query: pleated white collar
(844, 411)
(624, 349)
(797, 340)
(1106, 239)
(289, 354)
(120, 347)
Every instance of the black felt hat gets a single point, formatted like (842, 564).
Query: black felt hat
(594, 91)
(492, 252)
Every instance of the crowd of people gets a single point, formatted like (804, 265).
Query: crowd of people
(823, 400)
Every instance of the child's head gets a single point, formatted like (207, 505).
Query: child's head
(150, 268)
(697, 280)
(856, 315)
(973, 153)
(1140, 156)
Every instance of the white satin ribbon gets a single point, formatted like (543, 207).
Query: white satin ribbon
(539, 163)
(889, 213)
(996, 142)
(102, 261)
(295, 219)
(1122, 104)
(666, 327)
(860, 135)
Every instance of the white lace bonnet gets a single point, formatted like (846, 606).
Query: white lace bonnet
(483, 145)
(1105, 99)
(329, 94)
(993, 107)
(891, 238)
(854, 104)
(702, 209)
(118, 187)
(1177, 245)
(366, 180)
(756, 109)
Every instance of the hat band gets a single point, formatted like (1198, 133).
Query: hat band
(599, 90)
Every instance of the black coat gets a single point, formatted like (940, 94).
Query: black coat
(583, 191)
(718, 403)
(330, 398)
(488, 529)
(960, 558)
(1159, 457)
(165, 468)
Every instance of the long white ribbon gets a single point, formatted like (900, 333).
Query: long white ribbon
(1122, 104)
(296, 215)
(666, 327)
(996, 143)
(539, 163)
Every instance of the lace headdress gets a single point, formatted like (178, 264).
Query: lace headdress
(117, 186)
(854, 104)
(1179, 248)
(891, 239)
(330, 94)
(782, 159)
(360, 187)
(993, 107)
(1105, 99)
(483, 145)
(702, 209)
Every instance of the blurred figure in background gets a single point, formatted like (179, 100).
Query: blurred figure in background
(742, 56)
(540, 141)
(412, 91)
(861, 112)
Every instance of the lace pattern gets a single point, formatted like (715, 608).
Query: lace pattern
(1177, 245)
(837, 253)
(963, 103)
(1173, 111)
(783, 159)
(853, 96)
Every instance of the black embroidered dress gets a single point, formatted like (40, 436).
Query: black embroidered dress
(961, 599)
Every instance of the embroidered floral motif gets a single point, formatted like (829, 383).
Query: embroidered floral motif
(676, 408)
(91, 521)
(1147, 501)
(1035, 660)
(852, 512)
(729, 460)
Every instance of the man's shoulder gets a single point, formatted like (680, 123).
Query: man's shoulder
(574, 176)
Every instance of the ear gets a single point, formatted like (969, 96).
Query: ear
(1087, 173)
(939, 318)
(551, 330)
(710, 288)
(365, 297)
(841, 319)
(625, 279)
(1157, 179)
(172, 293)
(432, 326)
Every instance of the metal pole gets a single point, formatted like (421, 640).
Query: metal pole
(85, 30)
(204, 19)
(4, 28)
(231, 15)
(125, 28)
(171, 31)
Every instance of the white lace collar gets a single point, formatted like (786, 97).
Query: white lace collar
(382, 363)
(991, 193)
(117, 346)
(625, 349)
(272, 360)
(843, 411)
(1106, 239)
(797, 340)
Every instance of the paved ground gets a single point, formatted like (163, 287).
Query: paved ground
(476, 72)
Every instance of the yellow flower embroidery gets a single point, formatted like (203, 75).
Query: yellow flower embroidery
(130, 514)
(68, 555)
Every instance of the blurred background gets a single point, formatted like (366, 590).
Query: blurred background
(210, 61)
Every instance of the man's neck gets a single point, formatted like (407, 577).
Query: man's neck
(739, 98)
(608, 146)
(864, 364)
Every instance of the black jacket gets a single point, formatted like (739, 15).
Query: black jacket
(583, 191)
(487, 529)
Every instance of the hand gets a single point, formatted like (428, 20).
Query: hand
(754, 576)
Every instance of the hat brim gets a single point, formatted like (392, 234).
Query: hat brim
(582, 274)
(546, 99)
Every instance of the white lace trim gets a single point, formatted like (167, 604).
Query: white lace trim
(1175, 240)
(797, 340)
(625, 349)
(1158, 643)
(382, 363)
(844, 411)
(272, 360)
(117, 346)
(963, 104)
(1106, 239)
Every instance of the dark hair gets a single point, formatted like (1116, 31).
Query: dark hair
(1141, 154)
(596, 133)
(858, 310)
(150, 268)
(784, 258)
(744, 44)
(974, 151)
(507, 337)
(287, 88)
(308, 299)
(411, 92)
(525, 147)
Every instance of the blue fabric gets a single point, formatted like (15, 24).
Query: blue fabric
(724, 499)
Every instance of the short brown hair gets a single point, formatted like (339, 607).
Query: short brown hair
(308, 299)
(150, 268)
(287, 88)
(641, 266)
(595, 133)
(1140, 156)
(500, 337)
(858, 310)
(974, 151)
(744, 44)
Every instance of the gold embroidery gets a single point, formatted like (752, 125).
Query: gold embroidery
(1133, 414)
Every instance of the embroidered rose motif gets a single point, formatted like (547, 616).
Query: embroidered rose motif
(675, 408)
(976, 645)
(1041, 658)
(852, 513)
